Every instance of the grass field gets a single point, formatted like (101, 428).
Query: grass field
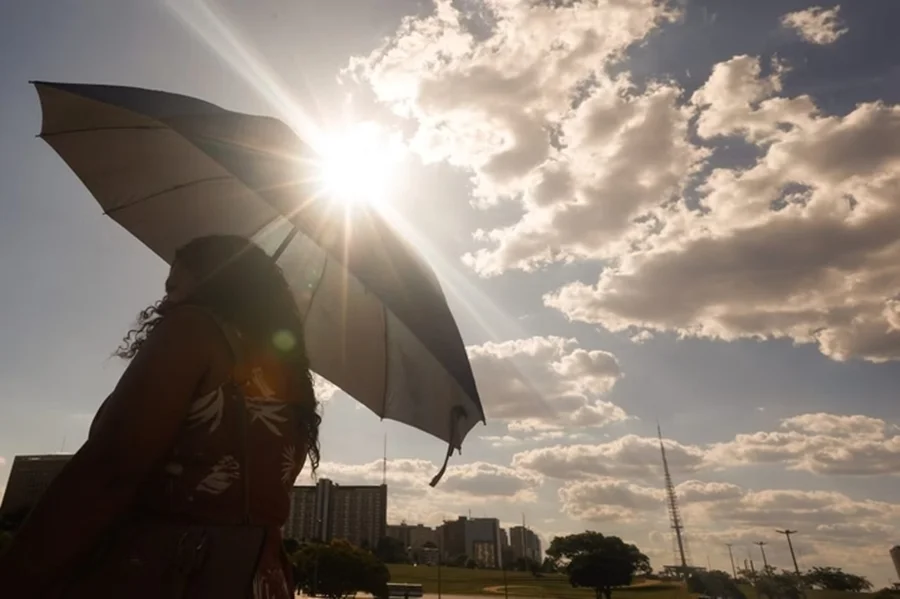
(462, 581)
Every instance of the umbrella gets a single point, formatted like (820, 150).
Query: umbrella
(170, 168)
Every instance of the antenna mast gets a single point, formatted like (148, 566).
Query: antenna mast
(384, 463)
(672, 502)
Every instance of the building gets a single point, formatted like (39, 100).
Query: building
(895, 557)
(328, 511)
(477, 538)
(421, 541)
(413, 536)
(29, 478)
(525, 544)
(303, 522)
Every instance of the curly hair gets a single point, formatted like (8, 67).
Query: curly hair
(242, 285)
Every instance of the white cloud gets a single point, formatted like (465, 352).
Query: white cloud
(797, 246)
(822, 423)
(834, 528)
(800, 245)
(637, 458)
(608, 499)
(696, 491)
(530, 111)
(819, 443)
(542, 384)
(816, 24)
(825, 444)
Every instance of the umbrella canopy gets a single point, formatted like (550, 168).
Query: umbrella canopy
(170, 168)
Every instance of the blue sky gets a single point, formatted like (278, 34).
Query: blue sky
(679, 246)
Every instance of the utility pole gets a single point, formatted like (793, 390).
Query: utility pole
(731, 557)
(440, 554)
(787, 533)
(762, 545)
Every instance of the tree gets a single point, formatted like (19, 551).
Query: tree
(835, 579)
(548, 566)
(391, 551)
(773, 585)
(595, 561)
(339, 569)
(715, 584)
(747, 575)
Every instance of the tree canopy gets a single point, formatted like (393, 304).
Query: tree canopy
(338, 569)
(595, 561)
(715, 584)
(835, 579)
(391, 551)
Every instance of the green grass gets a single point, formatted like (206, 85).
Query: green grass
(462, 581)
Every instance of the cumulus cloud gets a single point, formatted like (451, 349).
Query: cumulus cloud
(528, 108)
(606, 499)
(542, 384)
(696, 491)
(816, 24)
(411, 497)
(834, 527)
(799, 245)
(821, 423)
(631, 456)
(827, 517)
(817, 443)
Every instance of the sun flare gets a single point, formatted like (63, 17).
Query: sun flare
(359, 164)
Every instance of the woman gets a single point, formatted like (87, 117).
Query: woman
(170, 447)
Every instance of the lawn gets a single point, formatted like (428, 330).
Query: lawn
(462, 581)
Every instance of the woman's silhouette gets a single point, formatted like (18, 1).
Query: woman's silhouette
(210, 425)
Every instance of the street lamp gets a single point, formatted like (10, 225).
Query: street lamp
(440, 556)
(731, 556)
(787, 533)
(762, 545)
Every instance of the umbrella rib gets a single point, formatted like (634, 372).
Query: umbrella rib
(112, 211)
(92, 129)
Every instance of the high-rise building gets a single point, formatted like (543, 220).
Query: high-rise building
(29, 478)
(329, 511)
(477, 538)
(524, 543)
(895, 557)
(303, 523)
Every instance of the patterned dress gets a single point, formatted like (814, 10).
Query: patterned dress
(200, 480)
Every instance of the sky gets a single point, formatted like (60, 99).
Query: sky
(642, 212)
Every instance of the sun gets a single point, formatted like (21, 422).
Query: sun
(359, 164)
